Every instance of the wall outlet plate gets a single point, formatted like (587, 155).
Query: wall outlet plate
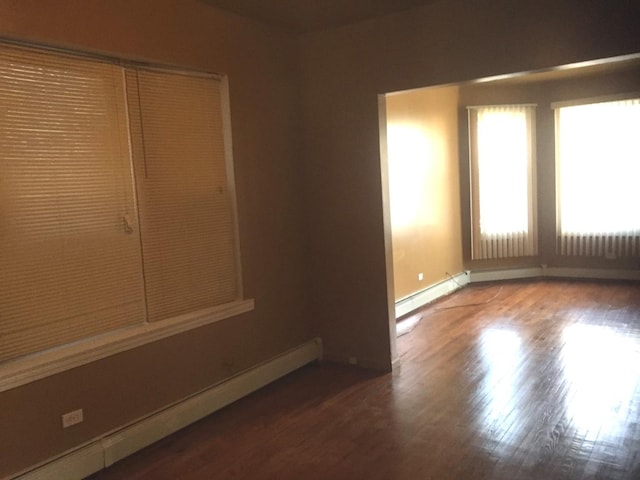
(72, 418)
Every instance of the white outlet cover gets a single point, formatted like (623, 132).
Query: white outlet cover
(72, 418)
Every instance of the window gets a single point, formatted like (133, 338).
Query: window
(502, 158)
(116, 201)
(598, 168)
(184, 200)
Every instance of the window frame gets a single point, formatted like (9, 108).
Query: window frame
(31, 367)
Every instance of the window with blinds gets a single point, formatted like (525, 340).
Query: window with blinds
(185, 210)
(115, 200)
(598, 167)
(502, 165)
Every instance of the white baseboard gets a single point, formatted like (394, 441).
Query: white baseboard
(553, 272)
(77, 464)
(431, 293)
(428, 295)
(104, 451)
(506, 274)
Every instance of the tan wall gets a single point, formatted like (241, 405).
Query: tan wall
(261, 65)
(542, 90)
(422, 139)
(343, 72)
(342, 245)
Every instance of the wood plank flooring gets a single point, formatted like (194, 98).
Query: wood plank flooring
(535, 380)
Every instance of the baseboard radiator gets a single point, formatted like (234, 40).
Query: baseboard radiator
(100, 453)
(431, 293)
(552, 272)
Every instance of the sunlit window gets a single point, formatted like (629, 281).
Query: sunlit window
(502, 164)
(598, 165)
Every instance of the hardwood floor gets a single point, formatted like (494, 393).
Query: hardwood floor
(529, 380)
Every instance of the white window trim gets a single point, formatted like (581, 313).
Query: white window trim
(231, 175)
(14, 373)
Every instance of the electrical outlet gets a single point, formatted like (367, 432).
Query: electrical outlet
(420, 277)
(72, 418)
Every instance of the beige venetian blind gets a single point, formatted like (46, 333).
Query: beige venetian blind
(184, 202)
(69, 244)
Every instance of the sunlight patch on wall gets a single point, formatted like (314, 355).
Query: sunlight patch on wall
(411, 153)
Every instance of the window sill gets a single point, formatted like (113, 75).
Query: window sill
(21, 371)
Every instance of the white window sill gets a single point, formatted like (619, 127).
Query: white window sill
(30, 368)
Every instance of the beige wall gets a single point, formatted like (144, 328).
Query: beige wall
(312, 226)
(343, 72)
(261, 65)
(422, 156)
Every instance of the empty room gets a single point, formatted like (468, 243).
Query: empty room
(319, 239)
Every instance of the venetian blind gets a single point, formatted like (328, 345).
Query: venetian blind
(183, 195)
(69, 244)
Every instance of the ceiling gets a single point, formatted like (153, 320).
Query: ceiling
(301, 16)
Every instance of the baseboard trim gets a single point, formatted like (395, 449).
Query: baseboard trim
(506, 274)
(107, 450)
(553, 272)
(366, 363)
(431, 293)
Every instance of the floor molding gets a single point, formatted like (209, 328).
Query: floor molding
(553, 272)
(104, 451)
(431, 293)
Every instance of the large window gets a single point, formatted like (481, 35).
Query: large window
(502, 181)
(116, 199)
(598, 169)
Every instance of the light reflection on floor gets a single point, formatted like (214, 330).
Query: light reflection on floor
(602, 368)
(599, 368)
(501, 354)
